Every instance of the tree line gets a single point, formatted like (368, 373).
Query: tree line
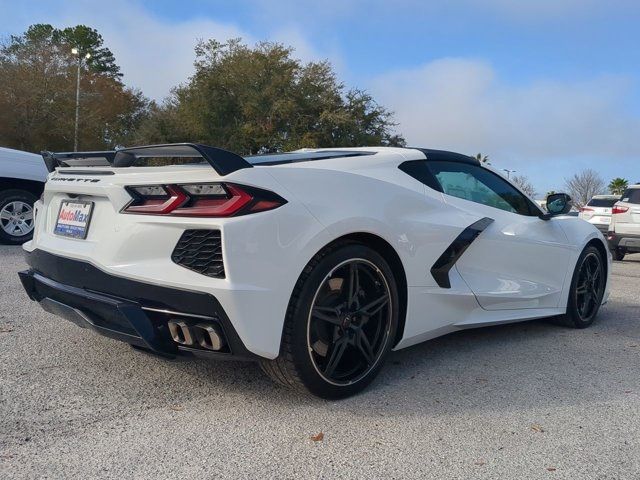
(248, 99)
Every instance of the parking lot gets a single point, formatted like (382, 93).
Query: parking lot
(531, 400)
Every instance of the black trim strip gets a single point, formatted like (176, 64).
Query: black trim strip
(440, 269)
(446, 156)
(296, 157)
(86, 172)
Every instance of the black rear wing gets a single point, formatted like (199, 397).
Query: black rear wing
(222, 161)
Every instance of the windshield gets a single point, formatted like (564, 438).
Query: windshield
(602, 202)
(631, 195)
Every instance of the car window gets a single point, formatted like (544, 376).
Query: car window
(602, 202)
(631, 195)
(477, 184)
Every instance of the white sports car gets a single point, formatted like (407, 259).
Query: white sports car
(316, 263)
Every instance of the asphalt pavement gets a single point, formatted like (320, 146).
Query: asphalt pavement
(529, 400)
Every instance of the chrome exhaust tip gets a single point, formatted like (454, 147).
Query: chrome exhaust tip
(208, 336)
(180, 332)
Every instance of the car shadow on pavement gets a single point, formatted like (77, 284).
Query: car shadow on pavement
(510, 367)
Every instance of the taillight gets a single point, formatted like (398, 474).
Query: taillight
(586, 209)
(201, 200)
(619, 209)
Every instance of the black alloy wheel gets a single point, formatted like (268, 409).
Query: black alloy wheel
(587, 288)
(349, 322)
(340, 325)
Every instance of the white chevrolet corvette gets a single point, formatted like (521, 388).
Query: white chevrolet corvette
(316, 263)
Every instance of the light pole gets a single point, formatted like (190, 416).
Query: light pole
(87, 56)
(509, 172)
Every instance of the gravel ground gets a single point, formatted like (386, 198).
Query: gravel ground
(530, 400)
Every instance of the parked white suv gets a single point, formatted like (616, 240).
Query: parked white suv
(598, 211)
(22, 177)
(624, 230)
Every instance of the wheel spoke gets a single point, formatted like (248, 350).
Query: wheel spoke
(24, 228)
(336, 355)
(582, 289)
(364, 347)
(5, 214)
(374, 307)
(18, 207)
(326, 314)
(585, 303)
(354, 285)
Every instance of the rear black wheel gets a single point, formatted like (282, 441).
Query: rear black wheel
(587, 289)
(341, 324)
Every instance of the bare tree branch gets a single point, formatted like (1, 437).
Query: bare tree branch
(584, 185)
(523, 183)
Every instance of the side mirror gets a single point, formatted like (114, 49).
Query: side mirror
(557, 204)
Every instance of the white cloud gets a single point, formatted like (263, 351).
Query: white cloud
(155, 54)
(548, 9)
(461, 104)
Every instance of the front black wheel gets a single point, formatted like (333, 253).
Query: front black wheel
(341, 323)
(587, 289)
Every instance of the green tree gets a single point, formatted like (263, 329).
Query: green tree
(37, 98)
(88, 40)
(618, 185)
(258, 100)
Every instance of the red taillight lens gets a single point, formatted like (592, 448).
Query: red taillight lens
(201, 200)
(619, 209)
(152, 200)
(586, 209)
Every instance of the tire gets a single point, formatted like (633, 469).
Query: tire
(618, 254)
(577, 315)
(339, 350)
(16, 216)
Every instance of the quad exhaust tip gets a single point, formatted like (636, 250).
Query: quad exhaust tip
(204, 335)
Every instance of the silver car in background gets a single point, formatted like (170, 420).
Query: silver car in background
(598, 211)
(22, 177)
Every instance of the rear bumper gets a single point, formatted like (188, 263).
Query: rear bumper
(627, 241)
(127, 310)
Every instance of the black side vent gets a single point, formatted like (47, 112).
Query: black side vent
(200, 251)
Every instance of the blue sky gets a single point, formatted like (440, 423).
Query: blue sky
(545, 87)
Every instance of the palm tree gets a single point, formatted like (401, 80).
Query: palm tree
(482, 159)
(618, 185)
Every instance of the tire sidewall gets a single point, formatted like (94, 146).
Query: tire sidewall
(300, 317)
(7, 197)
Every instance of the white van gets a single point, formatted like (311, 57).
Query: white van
(22, 177)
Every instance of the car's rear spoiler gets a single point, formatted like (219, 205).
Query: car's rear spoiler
(222, 161)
